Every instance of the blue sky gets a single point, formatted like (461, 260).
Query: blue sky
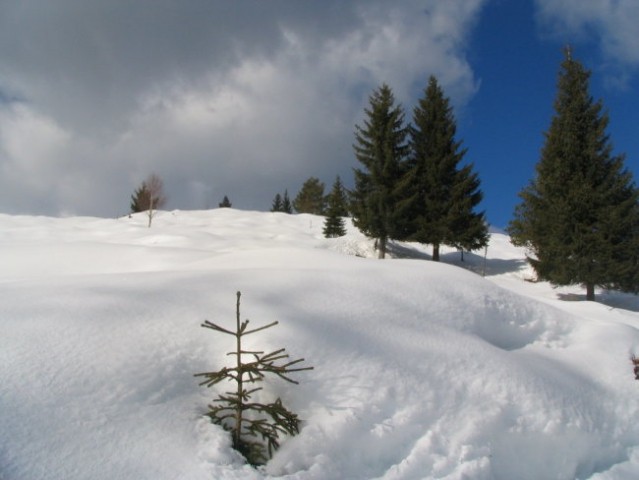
(251, 97)
(517, 63)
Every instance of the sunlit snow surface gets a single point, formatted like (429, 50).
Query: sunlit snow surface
(422, 370)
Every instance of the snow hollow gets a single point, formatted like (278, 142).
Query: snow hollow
(423, 370)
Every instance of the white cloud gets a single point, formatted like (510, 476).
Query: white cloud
(32, 153)
(32, 144)
(46, 169)
(612, 23)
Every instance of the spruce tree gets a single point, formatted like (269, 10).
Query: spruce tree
(225, 203)
(276, 206)
(287, 207)
(310, 198)
(340, 198)
(579, 216)
(469, 228)
(381, 149)
(336, 211)
(281, 203)
(439, 196)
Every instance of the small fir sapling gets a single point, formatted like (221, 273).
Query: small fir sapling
(635, 363)
(235, 411)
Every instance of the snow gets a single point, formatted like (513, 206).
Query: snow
(423, 370)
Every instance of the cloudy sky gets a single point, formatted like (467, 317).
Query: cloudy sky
(247, 98)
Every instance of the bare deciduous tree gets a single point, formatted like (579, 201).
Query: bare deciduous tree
(149, 196)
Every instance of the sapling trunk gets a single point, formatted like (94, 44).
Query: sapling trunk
(238, 410)
(150, 212)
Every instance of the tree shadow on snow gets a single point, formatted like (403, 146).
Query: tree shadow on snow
(499, 266)
(471, 261)
(610, 298)
(476, 263)
(398, 250)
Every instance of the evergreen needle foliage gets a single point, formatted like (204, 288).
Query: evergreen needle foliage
(310, 198)
(252, 423)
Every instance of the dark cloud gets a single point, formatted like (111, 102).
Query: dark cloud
(243, 98)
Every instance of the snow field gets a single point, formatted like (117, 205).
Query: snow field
(422, 370)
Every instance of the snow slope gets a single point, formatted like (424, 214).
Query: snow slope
(422, 370)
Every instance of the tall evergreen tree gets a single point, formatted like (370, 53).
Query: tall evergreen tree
(440, 197)
(276, 206)
(469, 228)
(381, 149)
(579, 216)
(339, 194)
(336, 211)
(287, 207)
(310, 198)
(281, 203)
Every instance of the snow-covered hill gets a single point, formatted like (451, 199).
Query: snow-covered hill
(422, 370)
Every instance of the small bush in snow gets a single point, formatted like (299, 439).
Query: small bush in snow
(635, 362)
(234, 410)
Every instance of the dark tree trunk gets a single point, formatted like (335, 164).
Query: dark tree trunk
(436, 252)
(590, 292)
(381, 247)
